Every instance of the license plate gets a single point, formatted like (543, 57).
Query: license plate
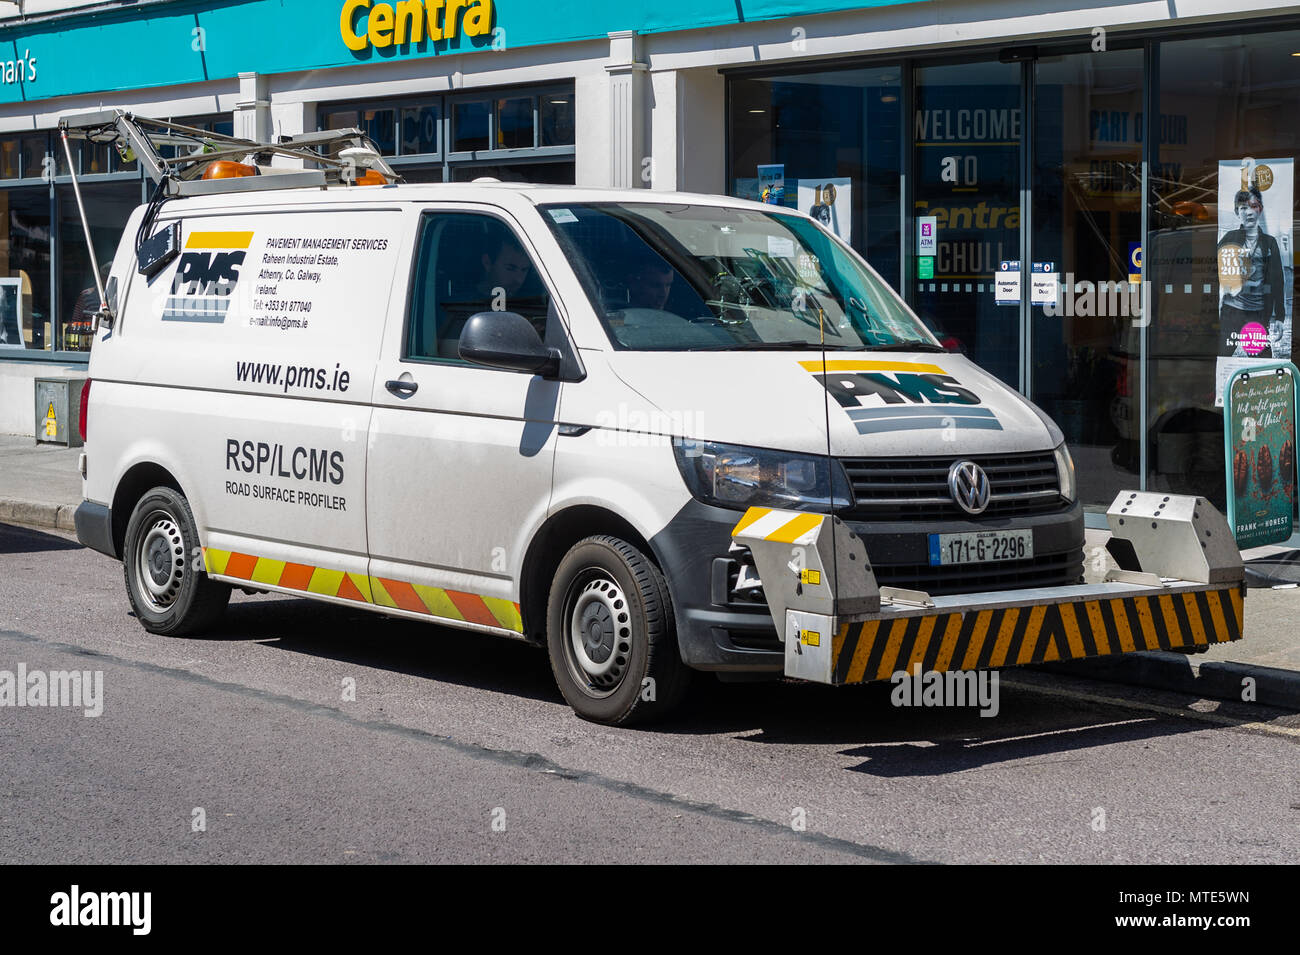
(980, 547)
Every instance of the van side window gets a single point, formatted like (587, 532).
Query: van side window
(468, 263)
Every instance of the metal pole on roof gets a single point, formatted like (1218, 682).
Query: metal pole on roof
(85, 226)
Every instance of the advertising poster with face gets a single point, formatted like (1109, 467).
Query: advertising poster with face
(830, 202)
(1255, 258)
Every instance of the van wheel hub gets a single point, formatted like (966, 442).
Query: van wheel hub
(161, 563)
(600, 633)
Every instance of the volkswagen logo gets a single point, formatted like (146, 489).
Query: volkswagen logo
(969, 486)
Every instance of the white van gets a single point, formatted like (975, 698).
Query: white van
(539, 412)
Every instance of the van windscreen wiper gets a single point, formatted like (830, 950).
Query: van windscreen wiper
(907, 346)
(792, 346)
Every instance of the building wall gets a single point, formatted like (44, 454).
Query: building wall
(650, 108)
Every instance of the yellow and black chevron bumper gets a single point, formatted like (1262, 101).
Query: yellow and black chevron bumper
(1011, 636)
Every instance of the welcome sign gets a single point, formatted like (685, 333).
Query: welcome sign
(1261, 449)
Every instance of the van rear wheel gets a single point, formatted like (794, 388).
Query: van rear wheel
(611, 635)
(169, 591)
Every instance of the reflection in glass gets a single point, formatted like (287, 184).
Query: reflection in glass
(966, 160)
(419, 130)
(33, 152)
(835, 136)
(557, 119)
(1085, 343)
(515, 123)
(380, 126)
(8, 158)
(547, 173)
(342, 119)
(108, 205)
(25, 258)
(470, 126)
(1209, 245)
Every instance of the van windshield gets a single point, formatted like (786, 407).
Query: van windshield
(674, 277)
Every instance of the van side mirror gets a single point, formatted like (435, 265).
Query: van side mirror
(508, 340)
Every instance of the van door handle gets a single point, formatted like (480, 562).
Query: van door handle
(403, 389)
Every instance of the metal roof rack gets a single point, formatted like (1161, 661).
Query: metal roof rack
(330, 157)
(336, 156)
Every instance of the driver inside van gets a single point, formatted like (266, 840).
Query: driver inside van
(505, 269)
(650, 284)
(486, 270)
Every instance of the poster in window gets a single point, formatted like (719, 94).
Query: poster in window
(11, 316)
(1255, 258)
(830, 202)
(1261, 456)
(771, 183)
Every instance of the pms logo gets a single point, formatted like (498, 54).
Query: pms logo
(205, 276)
(880, 396)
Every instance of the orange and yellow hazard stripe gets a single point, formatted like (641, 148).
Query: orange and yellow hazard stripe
(378, 591)
(1013, 636)
(772, 524)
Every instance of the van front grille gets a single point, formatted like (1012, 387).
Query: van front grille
(1052, 570)
(916, 488)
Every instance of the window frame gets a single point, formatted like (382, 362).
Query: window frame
(445, 157)
(555, 305)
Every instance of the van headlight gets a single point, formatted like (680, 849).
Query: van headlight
(1065, 473)
(728, 475)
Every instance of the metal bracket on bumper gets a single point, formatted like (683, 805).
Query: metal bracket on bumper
(1183, 588)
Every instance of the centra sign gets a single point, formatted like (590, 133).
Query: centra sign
(363, 23)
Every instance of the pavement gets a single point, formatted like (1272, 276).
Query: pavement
(39, 483)
(41, 487)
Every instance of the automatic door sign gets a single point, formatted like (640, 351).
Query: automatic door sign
(1043, 279)
(1006, 288)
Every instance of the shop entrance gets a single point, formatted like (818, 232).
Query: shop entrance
(1029, 176)
(966, 160)
(1085, 329)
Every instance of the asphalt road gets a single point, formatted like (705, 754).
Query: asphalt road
(459, 748)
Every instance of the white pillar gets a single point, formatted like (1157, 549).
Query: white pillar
(591, 129)
(688, 135)
(628, 158)
(290, 119)
(253, 108)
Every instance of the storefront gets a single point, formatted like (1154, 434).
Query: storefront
(1010, 212)
(1006, 171)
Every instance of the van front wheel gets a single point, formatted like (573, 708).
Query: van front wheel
(169, 591)
(611, 635)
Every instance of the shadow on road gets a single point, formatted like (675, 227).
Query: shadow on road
(368, 639)
(16, 539)
(880, 738)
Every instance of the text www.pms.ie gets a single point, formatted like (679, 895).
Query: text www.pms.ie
(308, 377)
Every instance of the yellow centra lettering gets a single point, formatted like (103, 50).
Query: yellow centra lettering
(347, 24)
(410, 22)
(433, 9)
(453, 8)
(380, 28)
(478, 18)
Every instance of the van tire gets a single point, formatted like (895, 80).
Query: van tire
(162, 560)
(630, 630)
